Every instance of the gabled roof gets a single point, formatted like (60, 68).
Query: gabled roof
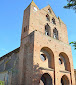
(33, 3)
(48, 6)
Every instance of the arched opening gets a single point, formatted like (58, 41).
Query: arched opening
(47, 30)
(49, 10)
(64, 80)
(47, 17)
(46, 79)
(53, 21)
(47, 54)
(55, 33)
(25, 29)
(63, 56)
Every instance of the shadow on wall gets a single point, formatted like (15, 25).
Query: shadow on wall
(49, 55)
(40, 78)
(37, 74)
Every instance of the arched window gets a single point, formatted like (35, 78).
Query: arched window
(65, 80)
(47, 30)
(55, 33)
(65, 61)
(47, 17)
(53, 21)
(25, 29)
(46, 79)
(49, 10)
(47, 54)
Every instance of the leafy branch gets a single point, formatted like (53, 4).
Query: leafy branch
(74, 44)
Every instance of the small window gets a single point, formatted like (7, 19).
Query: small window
(55, 33)
(60, 61)
(25, 29)
(49, 10)
(47, 30)
(53, 21)
(35, 9)
(43, 57)
(47, 17)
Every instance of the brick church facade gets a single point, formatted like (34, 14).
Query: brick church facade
(44, 56)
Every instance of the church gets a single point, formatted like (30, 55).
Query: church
(44, 56)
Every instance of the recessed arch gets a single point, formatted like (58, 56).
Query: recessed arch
(46, 79)
(47, 30)
(50, 56)
(53, 21)
(65, 80)
(55, 33)
(66, 61)
(47, 17)
(49, 10)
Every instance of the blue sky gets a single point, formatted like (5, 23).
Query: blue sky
(11, 18)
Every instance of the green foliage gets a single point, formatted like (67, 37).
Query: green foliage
(1, 82)
(71, 4)
(74, 44)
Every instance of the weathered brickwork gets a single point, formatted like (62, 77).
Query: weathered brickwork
(49, 41)
(75, 75)
(44, 56)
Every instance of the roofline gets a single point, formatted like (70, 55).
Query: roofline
(9, 54)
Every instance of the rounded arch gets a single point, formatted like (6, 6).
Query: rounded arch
(65, 80)
(53, 21)
(47, 17)
(47, 30)
(50, 56)
(46, 79)
(66, 61)
(49, 10)
(55, 33)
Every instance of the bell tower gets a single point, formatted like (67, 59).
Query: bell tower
(45, 56)
(27, 19)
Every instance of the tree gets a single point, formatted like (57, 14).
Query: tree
(71, 4)
(74, 44)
